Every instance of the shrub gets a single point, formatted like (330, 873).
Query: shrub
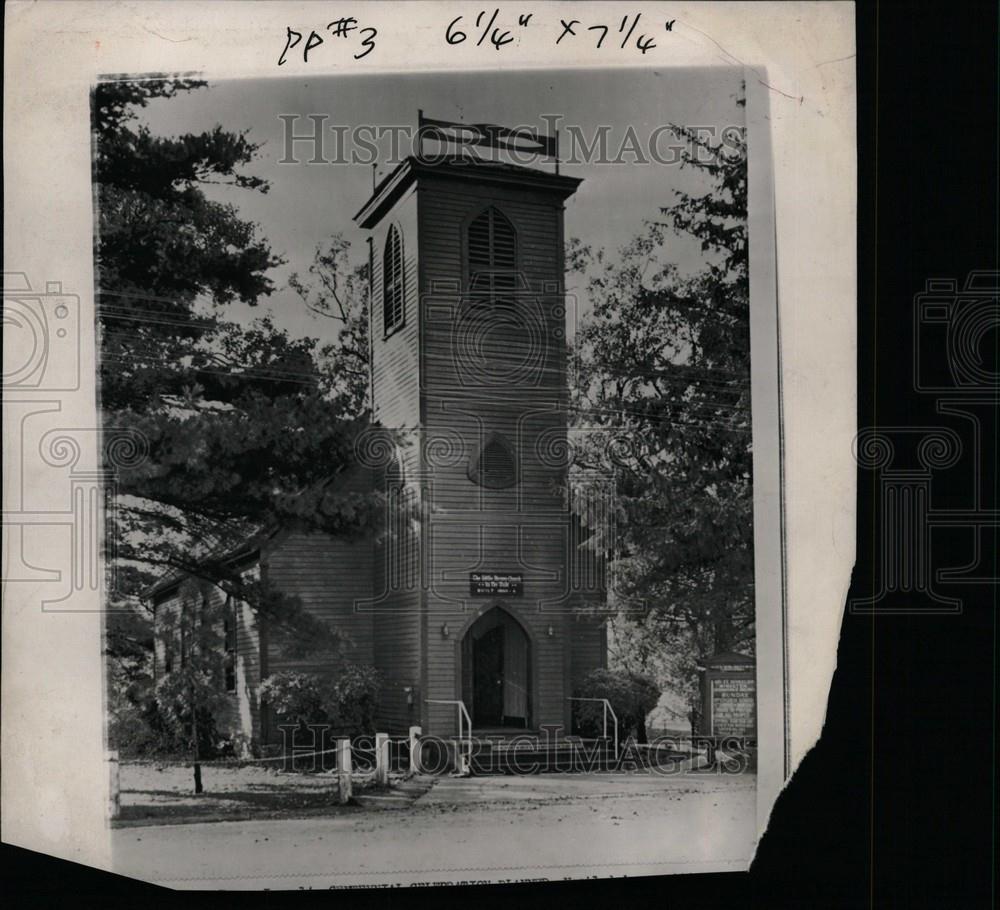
(176, 693)
(632, 697)
(139, 732)
(136, 727)
(346, 699)
(303, 698)
(356, 691)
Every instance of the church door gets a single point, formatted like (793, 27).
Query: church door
(487, 678)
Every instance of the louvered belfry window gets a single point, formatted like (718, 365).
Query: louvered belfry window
(392, 281)
(492, 257)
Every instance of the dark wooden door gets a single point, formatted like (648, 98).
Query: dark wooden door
(487, 678)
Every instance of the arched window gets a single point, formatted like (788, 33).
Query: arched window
(495, 467)
(492, 250)
(392, 281)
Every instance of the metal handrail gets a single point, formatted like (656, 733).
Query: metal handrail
(607, 708)
(462, 713)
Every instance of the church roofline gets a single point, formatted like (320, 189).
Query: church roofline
(458, 167)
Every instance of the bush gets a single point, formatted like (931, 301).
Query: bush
(356, 692)
(174, 695)
(632, 697)
(137, 729)
(347, 699)
(299, 697)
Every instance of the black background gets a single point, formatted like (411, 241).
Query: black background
(895, 806)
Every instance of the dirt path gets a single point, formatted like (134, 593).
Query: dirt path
(465, 830)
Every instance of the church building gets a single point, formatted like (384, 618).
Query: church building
(474, 601)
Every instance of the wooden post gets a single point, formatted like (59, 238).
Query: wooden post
(382, 759)
(344, 770)
(415, 750)
(462, 766)
(114, 780)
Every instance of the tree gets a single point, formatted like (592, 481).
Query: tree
(337, 290)
(632, 697)
(663, 366)
(240, 428)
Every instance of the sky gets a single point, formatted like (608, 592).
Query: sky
(307, 203)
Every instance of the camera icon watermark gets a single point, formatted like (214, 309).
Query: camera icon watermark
(42, 328)
(959, 321)
(955, 362)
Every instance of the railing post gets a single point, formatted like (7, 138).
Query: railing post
(382, 759)
(462, 755)
(415, 750)
(114, 782)
(614, 718)
(344, 770)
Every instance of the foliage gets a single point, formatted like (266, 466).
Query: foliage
(230, 427)
(663, 366)
(336, 290)
(347, 699)
(237, 426)
(219, 427)
(192, 693)
(632, 697)
(137, 728)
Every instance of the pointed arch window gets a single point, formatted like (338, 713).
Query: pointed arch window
(392, 281)
(492, 255)
(495, 467)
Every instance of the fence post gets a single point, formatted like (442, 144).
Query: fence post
(114, 789)
(415, 750)
(344, 770)
(382, 759)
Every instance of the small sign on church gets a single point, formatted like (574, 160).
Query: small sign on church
(496, 584)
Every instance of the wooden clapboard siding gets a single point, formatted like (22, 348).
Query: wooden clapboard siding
(395, 596)
(426, 379)
(394, 608)
(228, 718)
(395, 365)
(589, 650)
(329, 575)
(238, 717)
(446, 209)
(471, 527)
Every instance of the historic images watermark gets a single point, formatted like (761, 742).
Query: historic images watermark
(312, 139)
(311, 748)
(952, 364)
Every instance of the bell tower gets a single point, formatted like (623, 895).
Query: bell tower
(468, 321)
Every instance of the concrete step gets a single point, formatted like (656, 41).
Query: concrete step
(504, 758)
(402, 793)
(513, 759)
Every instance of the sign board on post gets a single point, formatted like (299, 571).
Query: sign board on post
(496, 584)
(729, 697)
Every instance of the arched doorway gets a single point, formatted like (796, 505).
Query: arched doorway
(496, 671)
